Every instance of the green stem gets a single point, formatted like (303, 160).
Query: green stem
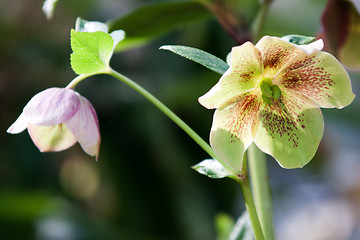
(260, 20)
(261, 188)
(79, 78)
(243, 181)
(172, 116)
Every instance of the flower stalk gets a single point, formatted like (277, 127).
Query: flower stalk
(261, 190)
(244, 183)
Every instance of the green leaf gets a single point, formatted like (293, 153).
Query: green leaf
(91, 51)
(153, 20)
(212, 169)
(298, 39)
(242, 229)
(206, 59)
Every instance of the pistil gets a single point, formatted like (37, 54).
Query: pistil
(269, 92)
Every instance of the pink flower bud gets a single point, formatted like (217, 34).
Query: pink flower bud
(57, 118)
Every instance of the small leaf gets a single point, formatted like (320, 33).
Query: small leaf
(242, 229)
(298, 39)
(212, 169)
(153, 20)
(91, 51)
(206, 59)
(48, 8)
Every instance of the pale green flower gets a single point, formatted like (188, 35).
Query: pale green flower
(271, 95)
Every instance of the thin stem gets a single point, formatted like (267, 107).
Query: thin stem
(172, 116)
(79, 78)
(261, 188)
(260, 20)
(243, 181)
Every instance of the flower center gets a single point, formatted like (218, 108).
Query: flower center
(269, 92)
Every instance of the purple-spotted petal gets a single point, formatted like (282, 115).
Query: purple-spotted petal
(290, 130)
(18, 126)
(84, 126)
(319, 77)
(231, 130)
(276, 54)
(242, 76)
(51, 138)
(51, 107)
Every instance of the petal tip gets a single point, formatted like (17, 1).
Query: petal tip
(207, 100)
(18, 126)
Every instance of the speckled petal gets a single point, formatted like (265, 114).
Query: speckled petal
(51, 107)
(289, 130)
(321, 78)
(53, 138)
(276, 54)
(231, 130)
(242, 76)
(85, 127)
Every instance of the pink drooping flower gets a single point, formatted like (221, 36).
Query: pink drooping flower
(57, 118)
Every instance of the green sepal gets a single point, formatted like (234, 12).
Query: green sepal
(298, 39)
(212, 168)
(204, 58)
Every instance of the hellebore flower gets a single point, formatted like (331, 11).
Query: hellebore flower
(57, 118)
(271, 95)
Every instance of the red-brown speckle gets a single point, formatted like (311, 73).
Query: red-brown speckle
(276, 56)
(308, 78)
(280, 119)
(242, 115)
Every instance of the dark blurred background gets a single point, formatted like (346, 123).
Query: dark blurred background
(142, 186)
